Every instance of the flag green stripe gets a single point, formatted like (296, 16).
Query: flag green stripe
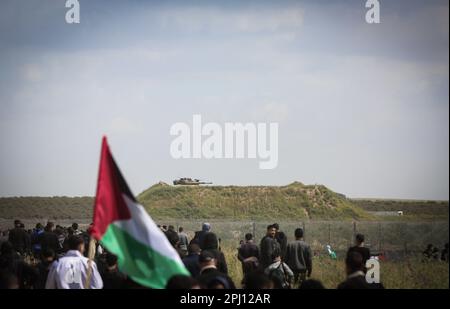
(141, 263)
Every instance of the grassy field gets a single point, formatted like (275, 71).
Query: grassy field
(410, 273)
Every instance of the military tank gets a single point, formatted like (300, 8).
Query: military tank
(189, 182)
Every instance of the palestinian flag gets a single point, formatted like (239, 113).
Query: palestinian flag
(125, 229)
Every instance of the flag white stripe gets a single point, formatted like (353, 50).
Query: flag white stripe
(142, 228)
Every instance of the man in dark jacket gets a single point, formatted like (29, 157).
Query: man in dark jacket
(356, 278)
(299, 257)
(199, 235)
(211, 244)
(19, 238)
(191, 260)
(248, 254)
(359, 247)
(48, 239)
(268, 245)
(281, 237)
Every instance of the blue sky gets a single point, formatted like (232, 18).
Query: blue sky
(362, 108)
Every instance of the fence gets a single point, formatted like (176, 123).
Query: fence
(394, 239)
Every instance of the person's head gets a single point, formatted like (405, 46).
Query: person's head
(207, 259)
(22, 226)
(164, 227)
(298, 233)
(76, 242)
(39, 226)
(193, 248)
(49, 227)
(359, 239)
(248, 236)
(171, 228)
(75, 226)
(180, 229)
(182, 282)
(70, 231)
(17, 223)
(257, 280)
(48, 255)
(276, 255)
(311, 284)
(111, 261)
(354, 262)
(206, 227)
(276, 226)
(219, 283)
(271, 231)
(210, 241)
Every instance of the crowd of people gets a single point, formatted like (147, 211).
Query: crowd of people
(45, 257)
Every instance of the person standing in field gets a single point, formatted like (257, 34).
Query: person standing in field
(281, 237)
(19, 238)
(299, 257)
(211, 243)
(248, 254)
(356, 278)
(359, 247)
(199, 235)
(268, 246)
(184, 241)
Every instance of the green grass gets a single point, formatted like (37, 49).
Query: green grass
(295, 201)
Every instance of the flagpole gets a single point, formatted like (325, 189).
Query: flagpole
(91, 255)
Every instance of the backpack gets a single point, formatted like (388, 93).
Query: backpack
(278, 275)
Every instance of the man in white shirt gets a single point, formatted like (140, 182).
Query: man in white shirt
(71, 271)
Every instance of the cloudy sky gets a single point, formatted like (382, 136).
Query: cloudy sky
(362, 108)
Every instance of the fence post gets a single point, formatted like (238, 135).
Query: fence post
(329, 234)
(379, 235)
